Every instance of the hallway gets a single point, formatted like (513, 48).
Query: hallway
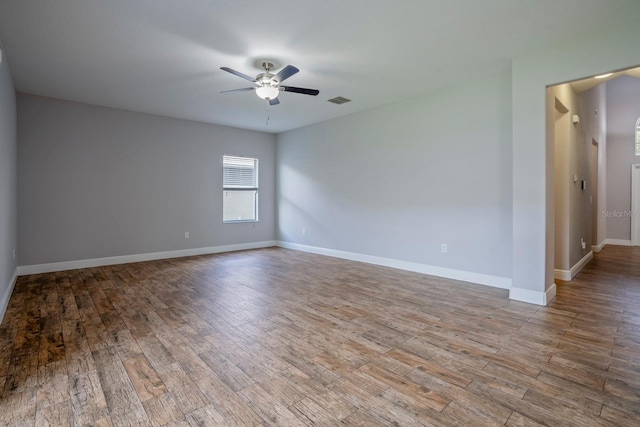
(598, 316)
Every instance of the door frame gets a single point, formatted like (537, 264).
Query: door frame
(635, 203)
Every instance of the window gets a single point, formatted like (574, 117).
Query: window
(638, 137)
(240, 189)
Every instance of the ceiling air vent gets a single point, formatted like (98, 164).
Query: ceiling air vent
(339, 100)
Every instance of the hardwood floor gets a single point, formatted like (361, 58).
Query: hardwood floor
(278, 337)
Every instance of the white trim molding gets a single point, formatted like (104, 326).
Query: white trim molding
(618, 242)
(125, 259)
(4, 302)
(465, 276)
(533, 297)
(567, 275)
(635, 200)
(599, 247)
(564, 275)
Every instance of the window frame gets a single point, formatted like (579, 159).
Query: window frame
(255, 189)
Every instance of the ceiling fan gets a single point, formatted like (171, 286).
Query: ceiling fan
(268, 85)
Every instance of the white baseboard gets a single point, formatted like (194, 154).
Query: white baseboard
(4, 302)
(533, 297)
(550, 293)
(466, 276)
(567, 275)
(125, 259)
(599, 247)
(564, 275)
(618, 242)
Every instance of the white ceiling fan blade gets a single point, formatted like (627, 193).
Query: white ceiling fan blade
(238, 73)
(244, 89)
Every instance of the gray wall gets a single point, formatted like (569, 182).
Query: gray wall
(580, 206)
(563, 136)
(572, 150)
(97, 182)
(399, 180)
(623, 110)
(594, 128)
(8, 182)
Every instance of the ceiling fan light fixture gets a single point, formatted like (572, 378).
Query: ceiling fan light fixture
(267, 92)
(267, 85)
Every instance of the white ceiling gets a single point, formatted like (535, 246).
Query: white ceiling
(164, 56)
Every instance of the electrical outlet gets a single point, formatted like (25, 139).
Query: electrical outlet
(186, 234)
(14, 254)
(444, 248)
(304, 231)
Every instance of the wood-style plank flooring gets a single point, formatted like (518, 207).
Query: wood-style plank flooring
(278, 337)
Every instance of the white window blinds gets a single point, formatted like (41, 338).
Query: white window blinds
(240, 172)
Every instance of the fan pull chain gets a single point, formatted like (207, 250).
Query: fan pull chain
(268, 116)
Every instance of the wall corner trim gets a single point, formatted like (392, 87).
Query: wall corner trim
(533, 297)
(4, 302)
(550, 293)
(126, 259)
(465, 276)
(564, 275)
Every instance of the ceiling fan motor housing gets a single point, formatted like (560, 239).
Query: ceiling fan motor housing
(267, 79)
